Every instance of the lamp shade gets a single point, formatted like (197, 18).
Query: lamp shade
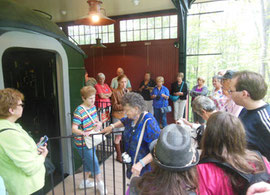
(95, 17)
(98, 44)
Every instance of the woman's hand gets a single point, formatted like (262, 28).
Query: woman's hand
(98, 125)
(43, 150)
(107, 130)
(164, 96)
(261, 188)
(153, 96)
(136, 169)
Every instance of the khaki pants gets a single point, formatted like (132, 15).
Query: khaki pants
(179, 107)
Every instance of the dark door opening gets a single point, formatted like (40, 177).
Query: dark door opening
(33, 72)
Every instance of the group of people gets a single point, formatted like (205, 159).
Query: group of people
(165, 161)
(229, 145)
(237, 124)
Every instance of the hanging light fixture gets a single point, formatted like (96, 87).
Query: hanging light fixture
(95, 17)
(98, 44)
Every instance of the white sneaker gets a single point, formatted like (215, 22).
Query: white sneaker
(88, 184)
(100, 187)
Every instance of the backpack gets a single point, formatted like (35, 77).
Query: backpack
(248, 178)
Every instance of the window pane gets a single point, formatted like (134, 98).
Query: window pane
(166, 33)
(151, 34)
(143, 35)
(173, 19)
(136, 35)
(130, 36)
(111, 28)
(123, 26)
(105, 29)
(165, 21)
(130, 25)
(136, 24)
(87, 39)
(93, 39)
(123, 37)
(92, 29)
(76, 30)
(105, 38)
(99, 29)
(143, 23)
(173, 34)
(157, 22)
(87, 30)
(81, 29)
(70, 30)
(111, 37)
(158, 33)
(81, 41)
(150, 22)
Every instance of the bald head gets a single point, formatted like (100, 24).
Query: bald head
(119, 71)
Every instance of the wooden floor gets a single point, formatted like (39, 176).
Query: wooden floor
(69, 189)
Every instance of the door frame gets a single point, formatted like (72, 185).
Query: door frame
(29, 39)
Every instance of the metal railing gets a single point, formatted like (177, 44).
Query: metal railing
(104, 150)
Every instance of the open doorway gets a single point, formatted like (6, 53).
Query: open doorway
(34, 73)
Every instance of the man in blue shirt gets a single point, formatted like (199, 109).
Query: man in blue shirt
(248, 90)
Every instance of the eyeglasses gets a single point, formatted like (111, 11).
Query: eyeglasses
(22, 105)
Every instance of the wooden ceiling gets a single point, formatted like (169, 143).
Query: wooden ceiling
(69, 10)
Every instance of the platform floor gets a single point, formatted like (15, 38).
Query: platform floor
(69, 189)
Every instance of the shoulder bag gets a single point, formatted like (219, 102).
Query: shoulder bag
(96, 138)
(138, 146)
(174, 98)
(165, 109)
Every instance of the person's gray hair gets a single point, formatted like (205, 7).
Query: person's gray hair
(219, 78)
(134, 100)
(201, 103)
(101, 75)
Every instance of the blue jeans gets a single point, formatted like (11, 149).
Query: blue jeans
(89, 162)
(160, 117)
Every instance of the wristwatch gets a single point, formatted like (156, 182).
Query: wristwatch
(112, 125)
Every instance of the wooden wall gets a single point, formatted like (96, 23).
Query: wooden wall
(159, 57)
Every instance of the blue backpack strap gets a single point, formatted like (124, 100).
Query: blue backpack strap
(182, 86)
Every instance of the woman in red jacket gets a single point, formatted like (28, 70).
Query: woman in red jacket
(224, 139)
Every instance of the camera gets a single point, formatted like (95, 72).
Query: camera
(158, 97)
(126, 158)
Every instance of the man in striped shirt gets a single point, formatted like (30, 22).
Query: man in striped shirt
(248, 90)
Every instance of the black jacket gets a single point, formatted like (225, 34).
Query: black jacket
(176, 88)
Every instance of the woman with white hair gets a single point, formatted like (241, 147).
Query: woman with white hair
(103, 92)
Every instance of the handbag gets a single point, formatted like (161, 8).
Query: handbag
(97, 138)
(174, 98)
(166, 109)
(137, 149)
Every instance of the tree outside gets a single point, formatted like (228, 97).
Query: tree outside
(228, 35)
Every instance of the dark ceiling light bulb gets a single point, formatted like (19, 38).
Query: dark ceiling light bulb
(95, 17)
(98, 44)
